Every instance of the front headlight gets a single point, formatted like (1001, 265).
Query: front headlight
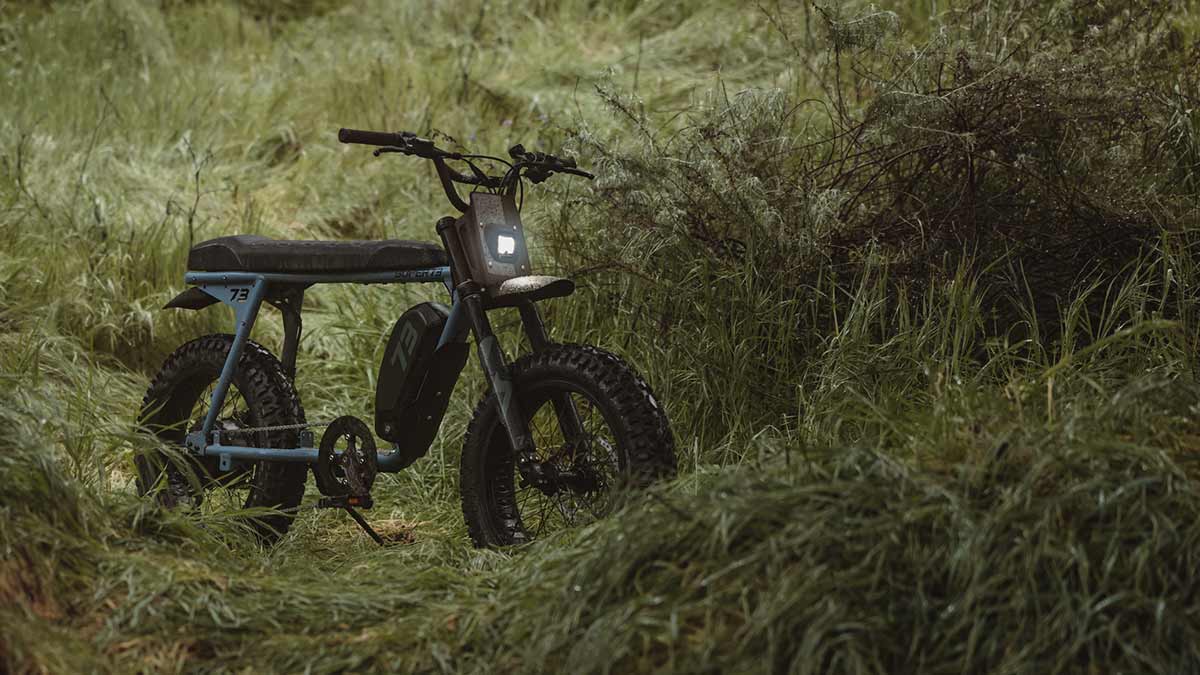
(503, 244)
(493, 239)
(506, 246)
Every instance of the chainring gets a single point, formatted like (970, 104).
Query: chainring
(352, 471)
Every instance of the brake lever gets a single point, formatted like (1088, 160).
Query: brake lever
(578, 172)
(390, 148)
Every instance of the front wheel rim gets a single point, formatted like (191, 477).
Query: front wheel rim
(592, 463)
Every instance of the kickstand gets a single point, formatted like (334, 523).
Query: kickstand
(348, 502)
(362, 522)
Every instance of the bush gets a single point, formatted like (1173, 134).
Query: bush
(1030, 167)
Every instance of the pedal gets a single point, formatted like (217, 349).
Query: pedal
(348, 502)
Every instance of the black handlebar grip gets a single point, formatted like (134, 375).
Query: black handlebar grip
(381, 138)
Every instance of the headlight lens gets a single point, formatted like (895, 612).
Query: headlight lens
(506, 246)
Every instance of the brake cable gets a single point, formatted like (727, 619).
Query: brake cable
(538, 166)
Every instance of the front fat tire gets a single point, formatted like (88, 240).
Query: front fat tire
(167, 411)
(638, 423)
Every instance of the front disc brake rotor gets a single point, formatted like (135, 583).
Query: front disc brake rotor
(586, 477)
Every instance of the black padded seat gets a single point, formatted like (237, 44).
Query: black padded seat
(255, 253)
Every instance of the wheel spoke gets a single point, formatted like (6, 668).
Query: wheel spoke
(541, 516)
(524, 495)
(228, 491)
(587, 457)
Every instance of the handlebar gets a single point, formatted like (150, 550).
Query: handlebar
(382, 138)
(403, 141)
(538, 166)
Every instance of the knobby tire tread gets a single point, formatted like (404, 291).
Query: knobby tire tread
(645, 435)
(266, 387)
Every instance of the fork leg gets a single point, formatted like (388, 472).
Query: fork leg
(495, 366)
(564, 408)
(540, 474)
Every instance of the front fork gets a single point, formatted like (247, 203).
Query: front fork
(491, 358)
(542, 475)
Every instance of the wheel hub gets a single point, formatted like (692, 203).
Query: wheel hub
(582, 478)
(228, 427)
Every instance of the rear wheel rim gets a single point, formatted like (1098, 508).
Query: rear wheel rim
(218, 491)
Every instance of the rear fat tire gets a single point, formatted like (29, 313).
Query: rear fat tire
(167, 411)
(645, 444)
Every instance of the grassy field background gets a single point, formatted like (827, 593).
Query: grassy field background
(915, 283)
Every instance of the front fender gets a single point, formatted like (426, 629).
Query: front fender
(513, 292)
(192, 298)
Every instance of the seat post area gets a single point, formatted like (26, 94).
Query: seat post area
(289, 303)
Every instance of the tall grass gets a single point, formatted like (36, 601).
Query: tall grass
(911, 439)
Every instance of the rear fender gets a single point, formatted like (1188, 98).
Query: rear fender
(192, 298)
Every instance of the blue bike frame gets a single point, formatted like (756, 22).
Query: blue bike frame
(245, 292)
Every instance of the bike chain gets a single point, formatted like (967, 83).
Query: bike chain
(277, 427)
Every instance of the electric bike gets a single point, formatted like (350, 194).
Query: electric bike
(559, 432)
